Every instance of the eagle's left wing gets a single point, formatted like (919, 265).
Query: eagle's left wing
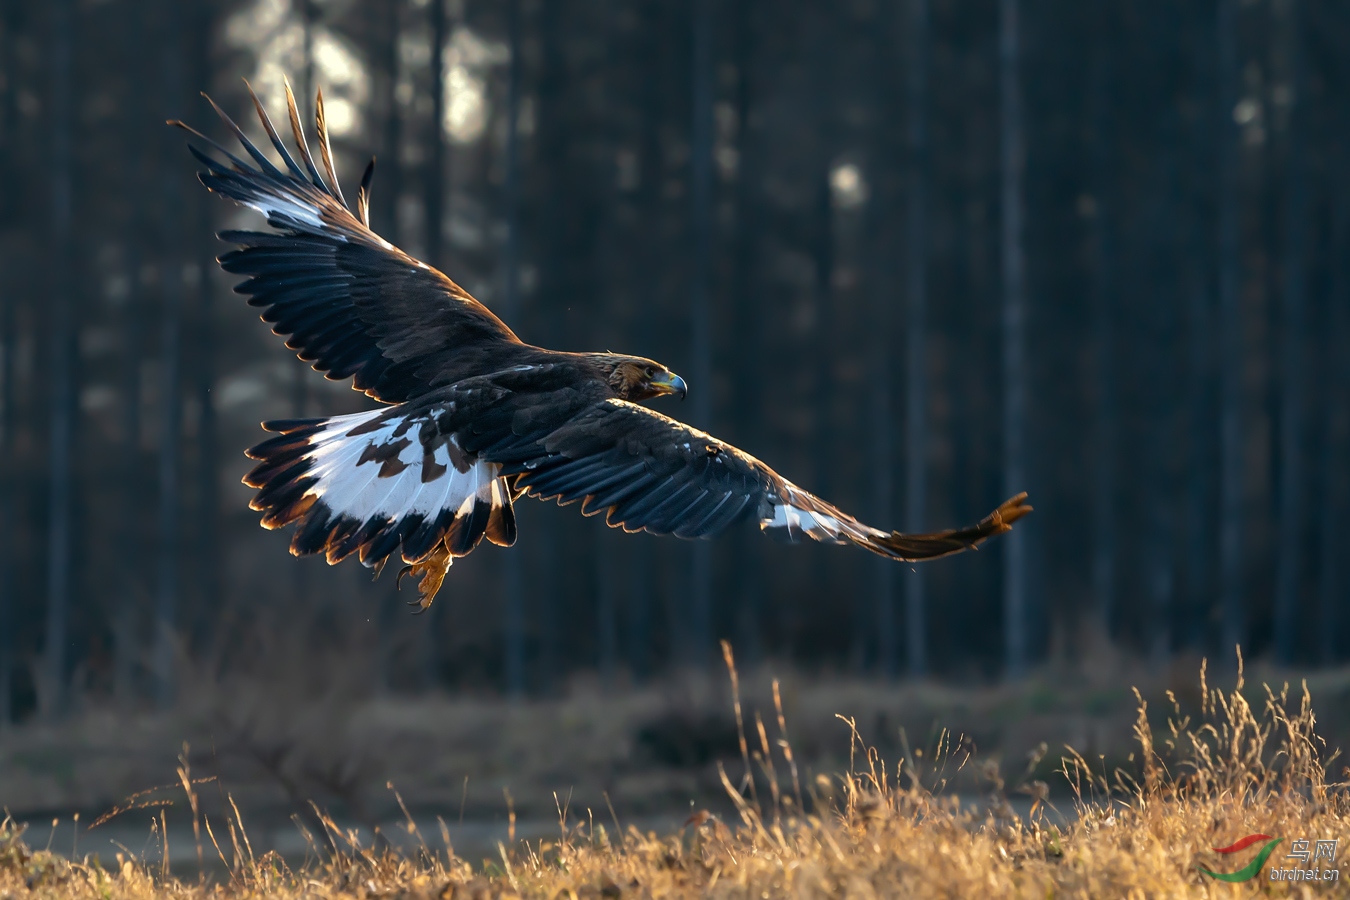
(648, 472)
(347, 300)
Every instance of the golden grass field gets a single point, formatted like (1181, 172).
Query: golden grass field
(1245, 762)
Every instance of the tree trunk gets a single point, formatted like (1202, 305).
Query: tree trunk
(208, 570)
(127, 624)
(916, 336)
(8, 304)
(1289, 559)
(62, 117)
(300, 387)
(607, 606)
(1336, 434)
(701, 138)
(1106, 426)
(8, 301)
(1230, 338)
(437, 178)
(744, 545)
(384, 216)
(609, 545)
(390, 167)
(1200, 411)
(171, 283)
(1014, 337)
(882, 483)
(514, 581)
(1160, 440)
(638, 631)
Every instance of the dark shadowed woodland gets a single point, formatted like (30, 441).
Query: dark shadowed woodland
(917, 255)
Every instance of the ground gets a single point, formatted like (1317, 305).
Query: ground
(926, 812)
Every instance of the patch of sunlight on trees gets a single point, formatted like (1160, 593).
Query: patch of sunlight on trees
(274, 31)
(469, 57)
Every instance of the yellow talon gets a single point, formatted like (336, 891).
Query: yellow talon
(431, 571)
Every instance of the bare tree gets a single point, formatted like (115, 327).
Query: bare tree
(438, 193)
(300, 387)
(1230, 335)
(1106, 426)
(607, 608)
(437, 177)
(1200, 376)
(208, 569)
(9, 300)
(701, 222)
(391, 170)
(1335, 435)
(1290, 540)
(1159, 445)
(7, 521)
(386, 23)
(745, 547)
(514, 586)
(1013, 163)
(61, 474)
(916, 332)
(126, 622)
(171, 284)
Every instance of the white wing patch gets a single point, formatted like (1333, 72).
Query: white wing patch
(352, 487)
(285, 210)
(794, 517)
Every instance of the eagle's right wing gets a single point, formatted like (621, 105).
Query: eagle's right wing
(649, 472)
(346, 299)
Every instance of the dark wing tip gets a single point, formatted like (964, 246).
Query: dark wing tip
(363, 193)
(915, 547)
(1012, 509)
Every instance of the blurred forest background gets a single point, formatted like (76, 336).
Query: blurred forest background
(916, 254)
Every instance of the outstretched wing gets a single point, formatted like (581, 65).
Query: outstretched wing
(346, 299)
(648, 472)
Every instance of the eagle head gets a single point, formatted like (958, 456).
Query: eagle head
(635, 379)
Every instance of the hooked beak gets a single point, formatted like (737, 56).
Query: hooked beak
(669, 383)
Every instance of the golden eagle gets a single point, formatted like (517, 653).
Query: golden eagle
(474, 416)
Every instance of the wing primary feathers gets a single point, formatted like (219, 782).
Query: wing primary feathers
(363, 193)
(728, 515)
(623, 491)
(300, 143)
(272, 133)
(325, 148)
(639, 508)
(664, 514)
(212, 164)
(694, 528)
(912, 547)
(258, 156)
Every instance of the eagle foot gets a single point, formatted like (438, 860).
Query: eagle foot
(431, 571)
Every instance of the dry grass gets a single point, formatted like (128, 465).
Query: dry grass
(881, 828)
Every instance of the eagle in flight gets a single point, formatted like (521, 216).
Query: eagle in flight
(473, 418)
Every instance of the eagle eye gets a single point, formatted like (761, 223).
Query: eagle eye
(651, 370)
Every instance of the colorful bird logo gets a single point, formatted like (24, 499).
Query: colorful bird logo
(1248, 871)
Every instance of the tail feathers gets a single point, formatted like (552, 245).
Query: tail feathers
(369, 484)
(501, 526)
